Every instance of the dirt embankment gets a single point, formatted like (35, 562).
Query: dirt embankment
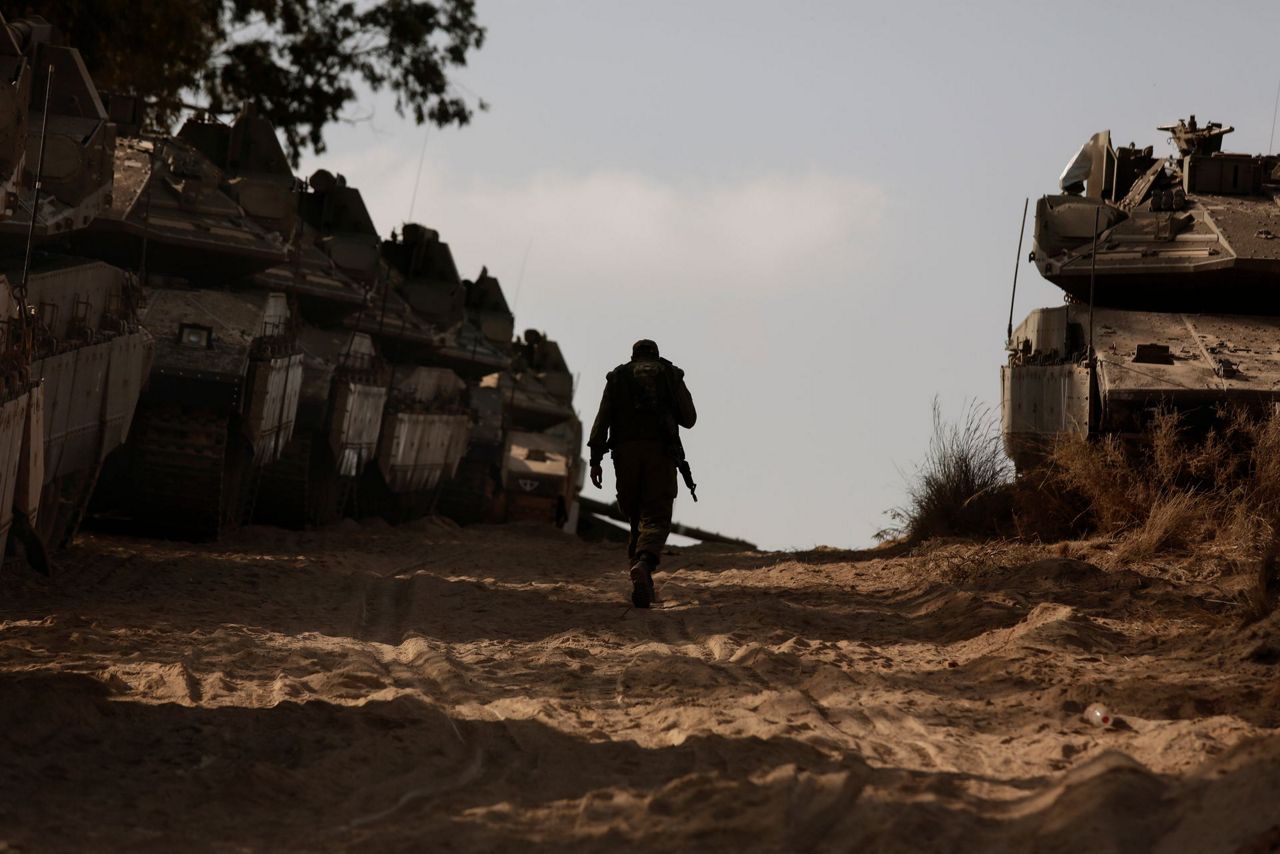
(429, 688)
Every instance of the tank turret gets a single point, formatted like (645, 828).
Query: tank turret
(337, 214)
(487, 309)
(73, 328)
(76, 136)
(222, 399)
(422, 276)
(423, 268)
(15, 95)
(256, 172)
(1170, 265)
(344, 379)
(1193, 230)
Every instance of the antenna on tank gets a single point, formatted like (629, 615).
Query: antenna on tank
(520, 279)
(35, 199)
(1271, 145)
(413, 199)
(146, 228)
(1093, 267)
(1008, 338)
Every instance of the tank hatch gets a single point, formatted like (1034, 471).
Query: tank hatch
(1192, 231)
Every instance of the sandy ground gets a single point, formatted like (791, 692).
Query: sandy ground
(430, 688)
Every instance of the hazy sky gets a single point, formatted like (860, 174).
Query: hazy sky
(812, 207)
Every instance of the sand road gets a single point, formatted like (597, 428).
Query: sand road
(434, 689)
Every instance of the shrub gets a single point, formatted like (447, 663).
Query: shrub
(1171, 492)
(961, 487)
(1173, 521)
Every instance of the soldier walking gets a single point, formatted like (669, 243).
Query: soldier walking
(645, 404)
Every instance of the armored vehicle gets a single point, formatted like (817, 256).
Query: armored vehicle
(344, 381)
(543, 471)
(1167, 264)
(415, 317)
(220, 405)
(473, 329)
(223, 392)
(522, 460)
(542, 476)
(481, 349)
(73, 340)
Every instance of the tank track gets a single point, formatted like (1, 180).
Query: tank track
(373, 498)
(191, 476)
(302, 488)
(468, 497)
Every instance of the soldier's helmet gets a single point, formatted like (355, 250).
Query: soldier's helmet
(644, 349)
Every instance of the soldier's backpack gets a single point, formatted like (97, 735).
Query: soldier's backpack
(650, 387)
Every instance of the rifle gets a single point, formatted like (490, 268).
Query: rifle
(673, 432)
(687, 473)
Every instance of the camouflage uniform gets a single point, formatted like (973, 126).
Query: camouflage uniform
(645, 403)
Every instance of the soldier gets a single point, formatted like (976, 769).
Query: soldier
(645, 403)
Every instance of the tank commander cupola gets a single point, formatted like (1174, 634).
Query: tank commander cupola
(1190, 138)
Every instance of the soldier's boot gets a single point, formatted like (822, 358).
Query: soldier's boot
(653, 567)
(642, 592)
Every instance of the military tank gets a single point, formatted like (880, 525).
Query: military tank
(417, 309)
(222, 395)
(543, 471)
(1167, 263)
(477, 329)
(271, 308)
(481, 350)
(73, 320)
(344, 380)
(522, 462)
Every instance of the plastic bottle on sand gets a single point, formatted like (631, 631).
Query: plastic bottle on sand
(1098, 715)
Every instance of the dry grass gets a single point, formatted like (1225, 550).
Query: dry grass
(1173, 494)
(965, 562)
(1210, 500)
(1171, 523)
(960, 489)
(1183, 505)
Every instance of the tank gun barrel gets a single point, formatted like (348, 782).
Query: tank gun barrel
(611, 511)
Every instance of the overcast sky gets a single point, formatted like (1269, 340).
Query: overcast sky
(812, 207)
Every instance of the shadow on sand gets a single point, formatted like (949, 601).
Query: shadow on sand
(85, 770)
